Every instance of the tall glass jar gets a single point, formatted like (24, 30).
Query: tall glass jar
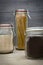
(21, 19)
(6, 38)
(34, 42)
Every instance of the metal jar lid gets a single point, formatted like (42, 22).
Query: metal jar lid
(34, 31)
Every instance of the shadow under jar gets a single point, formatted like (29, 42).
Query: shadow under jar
(34, 42)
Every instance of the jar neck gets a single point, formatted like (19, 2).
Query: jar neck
(34, 31)
(21, 13)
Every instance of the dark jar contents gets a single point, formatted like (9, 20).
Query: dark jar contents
(35, 47)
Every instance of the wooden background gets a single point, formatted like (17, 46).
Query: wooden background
(35, 8)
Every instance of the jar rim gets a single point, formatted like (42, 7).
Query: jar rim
(21, 10)
(34, 31)
(6, 25)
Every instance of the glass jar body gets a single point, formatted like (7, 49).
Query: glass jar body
(6, 38)
(21, 19)
(34, 44)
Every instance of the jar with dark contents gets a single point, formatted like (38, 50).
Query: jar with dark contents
(34, 42)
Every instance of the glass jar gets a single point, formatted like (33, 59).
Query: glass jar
(21, 19)
(6, 38)
(34, 42)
